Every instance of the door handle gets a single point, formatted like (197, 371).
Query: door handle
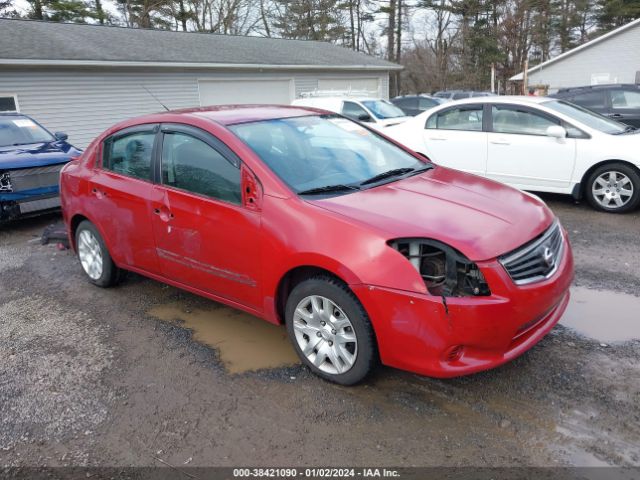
(98, 193)
(615, 115)
(500, 142)
(437, 138)
(164, 214)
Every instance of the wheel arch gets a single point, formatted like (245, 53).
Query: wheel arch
(73, 226)
(580, 192)
(293, 277)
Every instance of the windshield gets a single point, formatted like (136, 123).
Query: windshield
(383, 110)
(587, 117)
(313, 152)
(16, 130)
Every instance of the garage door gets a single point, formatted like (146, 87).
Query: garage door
(220, 92)
(362, 86)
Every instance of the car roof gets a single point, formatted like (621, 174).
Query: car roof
(233, 114)
(599, 87)
(413, 95)
(339, 97)
(520, 99)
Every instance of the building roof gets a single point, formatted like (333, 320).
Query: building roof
(29, 42)
(591, 43)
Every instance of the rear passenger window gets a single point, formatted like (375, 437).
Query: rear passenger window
(130, 154)
(190, 164)
(593, 99)
(461, 118)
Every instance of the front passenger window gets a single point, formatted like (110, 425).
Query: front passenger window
(519, 121)
(190, 164)
(130, 155)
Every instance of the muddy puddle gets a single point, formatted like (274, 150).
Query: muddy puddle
(244, 342)
(606, 316)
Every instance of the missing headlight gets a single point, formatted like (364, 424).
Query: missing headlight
(445, 271)
(5, 182)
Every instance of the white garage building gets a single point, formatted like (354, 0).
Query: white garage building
(81, 79)
(610, 58)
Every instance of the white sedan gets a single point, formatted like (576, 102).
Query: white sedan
(532, 143)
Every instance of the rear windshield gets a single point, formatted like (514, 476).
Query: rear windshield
(21, 131)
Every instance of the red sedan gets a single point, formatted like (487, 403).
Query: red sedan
(365, 250)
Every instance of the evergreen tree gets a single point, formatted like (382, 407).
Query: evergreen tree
(309, 20)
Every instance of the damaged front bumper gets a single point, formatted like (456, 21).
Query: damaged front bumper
(17, 204)
(423, 334)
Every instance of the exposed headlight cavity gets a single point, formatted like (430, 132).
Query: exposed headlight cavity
(445, 271)
(5, 182)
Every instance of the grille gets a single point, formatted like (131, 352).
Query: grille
(537, 259)
(37, 177)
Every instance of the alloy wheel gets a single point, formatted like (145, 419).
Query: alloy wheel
(90, 254)
(325, 334)
(612, 190)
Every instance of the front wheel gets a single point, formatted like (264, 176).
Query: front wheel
(330, 330)
(614, 187)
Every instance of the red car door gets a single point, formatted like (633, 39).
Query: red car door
(205, 236)
(119, 201)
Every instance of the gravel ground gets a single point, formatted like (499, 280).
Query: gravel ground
(90, 377)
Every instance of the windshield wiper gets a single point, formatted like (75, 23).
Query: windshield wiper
(395, 173)
(328, 189)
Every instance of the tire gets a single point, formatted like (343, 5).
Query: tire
(605, 192)
(90, 246)
(345, 319)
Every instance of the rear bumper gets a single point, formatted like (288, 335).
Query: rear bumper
(416, 332)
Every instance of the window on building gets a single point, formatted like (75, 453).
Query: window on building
(8, 103)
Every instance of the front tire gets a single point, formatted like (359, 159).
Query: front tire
(330, 330)
(614, 188)
(94, 256)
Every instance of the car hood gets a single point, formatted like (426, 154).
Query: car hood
(36, 155)
(481, 218)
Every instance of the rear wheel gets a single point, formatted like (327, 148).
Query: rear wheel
(330, 330)
(94, 256)
(614, 187)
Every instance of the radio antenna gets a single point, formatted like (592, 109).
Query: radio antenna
(155, 98)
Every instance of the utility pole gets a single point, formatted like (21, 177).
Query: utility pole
(493, 78)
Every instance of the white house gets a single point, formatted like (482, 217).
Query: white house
(81, 79)
(610, 58)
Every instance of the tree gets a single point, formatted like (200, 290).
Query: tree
(615, 13)
(145, 13)
(8, 9)
(309, 20)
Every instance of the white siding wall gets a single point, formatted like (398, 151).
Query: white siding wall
(83, 103)
(617, 56)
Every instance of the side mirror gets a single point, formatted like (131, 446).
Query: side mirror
(364, 117)
(251, 189)
(61, 136)
(556, 131)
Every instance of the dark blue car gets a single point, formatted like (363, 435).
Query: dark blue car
(31, 158)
